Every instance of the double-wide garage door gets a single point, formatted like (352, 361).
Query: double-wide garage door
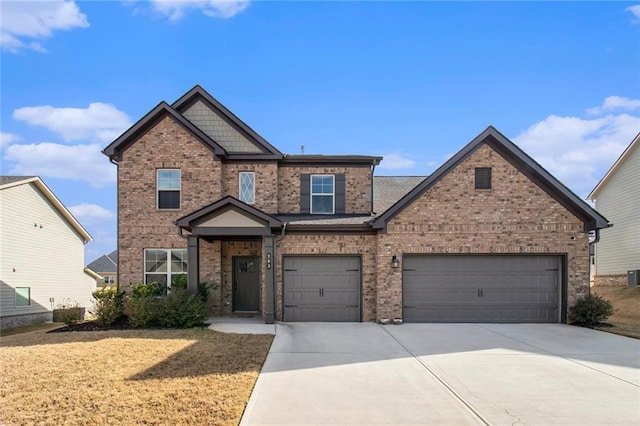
(438, 288)
(322, 288)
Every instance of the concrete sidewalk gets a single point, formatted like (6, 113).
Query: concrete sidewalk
(364, 373)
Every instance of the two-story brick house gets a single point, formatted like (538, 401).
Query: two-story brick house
(489, 236)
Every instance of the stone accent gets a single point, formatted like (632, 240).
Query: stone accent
(140, 224)
(26, 319)
(514, 216)
(266, 183)
(620, 279)
(332, 244)
(357, 187)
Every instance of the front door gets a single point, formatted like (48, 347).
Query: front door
(246, 284)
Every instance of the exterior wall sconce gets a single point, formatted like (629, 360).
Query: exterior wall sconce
(395, 263)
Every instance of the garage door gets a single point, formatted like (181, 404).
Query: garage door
(481, 288)
(322, 288)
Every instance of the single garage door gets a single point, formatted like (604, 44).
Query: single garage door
(481, 288)
(322, 288)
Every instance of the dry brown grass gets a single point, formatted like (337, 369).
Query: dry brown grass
(626, 302)
(195, 376)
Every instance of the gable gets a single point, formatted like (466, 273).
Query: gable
(521, 161)
(211, 123)
(229, 218)
(624, 175)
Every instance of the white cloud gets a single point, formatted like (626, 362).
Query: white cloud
(79, 162)
(175, 9)
(615, 103)
(98, 122)
(396, 160)
(7, 139)
(23, 23)
(579, 151)
(91, 213)
(635, 11)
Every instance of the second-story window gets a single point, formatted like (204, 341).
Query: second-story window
(168, 188)
(322, 194)
(247, 187)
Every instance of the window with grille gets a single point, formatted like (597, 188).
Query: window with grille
(322, 194)
(168, 188)
(247, 187)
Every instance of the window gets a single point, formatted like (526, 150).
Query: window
(322, 194)
(483, 178)
(108, 280)
(247, 187)
(23, 296)
(165, 266)
(168, 186)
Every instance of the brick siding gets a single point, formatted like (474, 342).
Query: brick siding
(357, 187)
(515, 216)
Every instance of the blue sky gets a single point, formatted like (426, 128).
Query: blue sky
(411, 81)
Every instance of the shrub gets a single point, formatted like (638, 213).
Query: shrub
(108, 305)
(143, 307)
(180, 282)
(590, 311)
(182, 309)
(68, 312)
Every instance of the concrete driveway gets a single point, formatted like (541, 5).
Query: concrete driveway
(524, 374)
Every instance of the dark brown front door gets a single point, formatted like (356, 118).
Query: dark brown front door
(246, 283)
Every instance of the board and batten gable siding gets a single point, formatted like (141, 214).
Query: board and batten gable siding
(618, 250)
(47, 257)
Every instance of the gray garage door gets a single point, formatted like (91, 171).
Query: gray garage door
(481, 288)
(322, 288)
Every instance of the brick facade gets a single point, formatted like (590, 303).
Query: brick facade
(357, 187)
(140, 224)
(619, 279)
(515, 216)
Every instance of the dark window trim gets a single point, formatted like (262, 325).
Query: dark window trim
(483, 178)
(158, 190)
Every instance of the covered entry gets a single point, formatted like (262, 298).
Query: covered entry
(322, 288)
(482, 288)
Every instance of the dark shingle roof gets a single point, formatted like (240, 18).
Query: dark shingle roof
(387, 190)
(105, 263)
(10, 179)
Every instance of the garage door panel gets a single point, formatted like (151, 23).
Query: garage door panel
(322, 288)
(481, 288)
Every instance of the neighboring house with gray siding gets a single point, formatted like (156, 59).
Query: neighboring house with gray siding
(490, 236)
(617, 196)
(106, 267)
(41, 253)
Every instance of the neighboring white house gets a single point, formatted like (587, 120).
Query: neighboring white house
(617, 197)
(41, 253)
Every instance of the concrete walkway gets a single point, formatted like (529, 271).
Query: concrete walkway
(454, 374)
(241, 325)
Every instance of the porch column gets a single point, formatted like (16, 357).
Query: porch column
(270, 271)
(193, 265)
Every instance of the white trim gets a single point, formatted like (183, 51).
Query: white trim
(39, 183)
(179, 190)
(168, 273)
(333, 194)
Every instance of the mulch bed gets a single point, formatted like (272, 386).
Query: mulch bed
(121, 323)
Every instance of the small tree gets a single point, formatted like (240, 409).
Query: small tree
(108, 304)
(590, 311)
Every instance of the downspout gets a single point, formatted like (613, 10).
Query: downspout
(373, 169)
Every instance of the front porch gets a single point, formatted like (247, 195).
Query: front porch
(231, 248)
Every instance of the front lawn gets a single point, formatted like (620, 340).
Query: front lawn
(194, 376)
(626, 302)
